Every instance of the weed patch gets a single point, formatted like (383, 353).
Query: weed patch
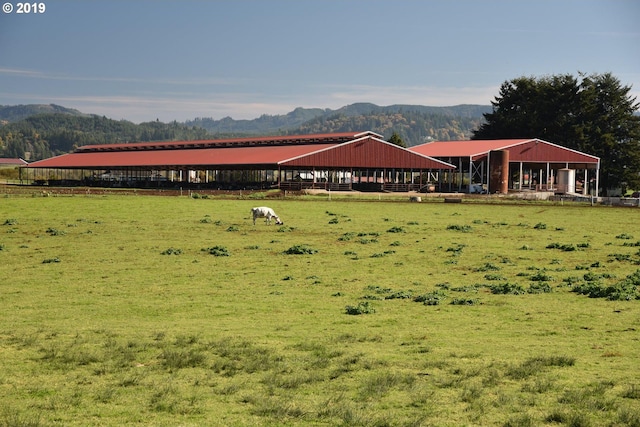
(540, 276)
(624, 236)
(507, 289)
(301, 250)
(487, 267)
(465, 301)
(431, 298)
(399, 295)
(346, 237)
(363, 307)
(461, 228)
(396, 230)
(625, 290)
(55, 232)
(539, 288)
(171, 251)
(217, 251)
(563, 247)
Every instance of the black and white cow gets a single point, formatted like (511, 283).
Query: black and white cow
(265, 212)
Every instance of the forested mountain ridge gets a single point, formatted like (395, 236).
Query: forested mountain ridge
(263, 125)
(40, 135)
(414, 123)
(413, 127)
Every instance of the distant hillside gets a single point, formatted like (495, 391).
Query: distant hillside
(414, 123)
(45, 135)
(263, 125)
(14, 113)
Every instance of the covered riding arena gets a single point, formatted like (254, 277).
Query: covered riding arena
(360, 161)
(499, 166)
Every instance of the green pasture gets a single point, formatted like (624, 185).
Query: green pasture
(178, 311)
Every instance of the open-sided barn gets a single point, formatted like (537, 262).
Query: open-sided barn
(496, 166)
(337, 161)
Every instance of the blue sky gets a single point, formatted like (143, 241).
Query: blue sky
(177, 60)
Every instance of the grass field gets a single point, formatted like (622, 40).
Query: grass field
(166, 311)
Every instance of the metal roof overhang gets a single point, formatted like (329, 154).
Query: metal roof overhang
(251, 157)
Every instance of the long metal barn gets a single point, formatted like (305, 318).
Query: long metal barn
(360, 161)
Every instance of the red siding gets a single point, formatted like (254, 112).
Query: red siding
(537, 151)
(367, 152)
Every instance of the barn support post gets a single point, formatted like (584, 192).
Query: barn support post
(548, 180)
(470, 174)
(520, 178)
(460, 174)
(489, 186)
(598, 178)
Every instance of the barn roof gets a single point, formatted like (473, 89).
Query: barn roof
(324, 138)
(525, 150)
(12, 161)
(338, 150)
(195, 157)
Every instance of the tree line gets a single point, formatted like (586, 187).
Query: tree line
(45, 135)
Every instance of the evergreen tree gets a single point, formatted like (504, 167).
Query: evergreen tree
(397, 140)
(607, 127)
(595, 115)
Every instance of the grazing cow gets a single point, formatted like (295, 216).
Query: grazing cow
(265, 212)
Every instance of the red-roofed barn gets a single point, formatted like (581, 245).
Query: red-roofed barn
(335, 161)
(514, 164)
(338, 161)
